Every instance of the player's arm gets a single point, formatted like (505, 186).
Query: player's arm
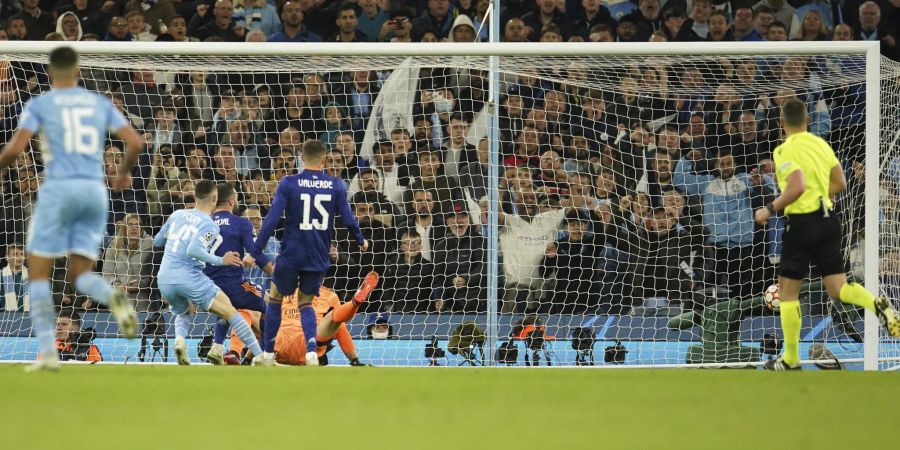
(15, 147)
(160, 239)
(837, 181)
(120, 126)
(796, 186)
(198, 249)
(273, 216)
(262, 260)
(133, 147)
(349, 218)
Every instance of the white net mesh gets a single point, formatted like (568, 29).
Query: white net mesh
(627, 187)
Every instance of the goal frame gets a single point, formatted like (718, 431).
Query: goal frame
(496, 50)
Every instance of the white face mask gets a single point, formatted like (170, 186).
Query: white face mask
(379, 334)
(442, 105)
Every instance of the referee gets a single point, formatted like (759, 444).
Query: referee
(809, 175)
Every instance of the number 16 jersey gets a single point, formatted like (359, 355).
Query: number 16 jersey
(72, 123)
(309, 202)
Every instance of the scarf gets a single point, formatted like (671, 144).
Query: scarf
(10, 294)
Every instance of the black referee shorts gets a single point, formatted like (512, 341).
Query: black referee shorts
(811, 239)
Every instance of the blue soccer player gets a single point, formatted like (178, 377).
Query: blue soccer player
(70, 216)
(189, 235)
(235, 235)
(308, 201)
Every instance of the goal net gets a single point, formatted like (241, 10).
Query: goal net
(626, 187)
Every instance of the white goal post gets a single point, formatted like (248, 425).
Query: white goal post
(573, 74)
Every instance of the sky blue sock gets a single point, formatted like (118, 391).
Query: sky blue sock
(94, 286)
(42, 316)
(270, 328)
(242, 330)
(308, 322)
(182, 325)
(220, 331)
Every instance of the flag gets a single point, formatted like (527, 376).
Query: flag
(393, 108)
(479, 127)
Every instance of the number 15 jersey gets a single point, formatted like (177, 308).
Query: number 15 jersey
(309, 202)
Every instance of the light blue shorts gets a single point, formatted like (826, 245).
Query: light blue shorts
(199, 292)
(69, 218)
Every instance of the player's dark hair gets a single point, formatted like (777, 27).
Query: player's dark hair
(313, 150)
(348, 5)
(376, 147)
(71, 314)
(793, 113)
(411, 232)
(203, 189)
(225, 193)
(778, 24)
(360, 197)
(63, 58)
(367, 171)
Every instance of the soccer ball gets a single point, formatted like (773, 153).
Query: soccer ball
(772, 298)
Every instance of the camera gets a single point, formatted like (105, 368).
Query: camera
(433, 352)
(154, 328)
(615, 354)
(583, 342)
(507, 353)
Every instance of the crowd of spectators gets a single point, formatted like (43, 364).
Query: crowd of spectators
(642, 188)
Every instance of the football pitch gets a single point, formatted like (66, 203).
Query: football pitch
(204, 407)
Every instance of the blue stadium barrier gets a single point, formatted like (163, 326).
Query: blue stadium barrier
(647, 338)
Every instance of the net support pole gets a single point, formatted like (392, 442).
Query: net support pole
(873, 165)
(493, 228)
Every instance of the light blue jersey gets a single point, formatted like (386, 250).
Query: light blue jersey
(71, 212)
(72, 123)
(190, 237)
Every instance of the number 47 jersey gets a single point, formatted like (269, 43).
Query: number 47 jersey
(309, 201)
(181, 230)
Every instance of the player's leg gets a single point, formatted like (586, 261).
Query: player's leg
(329, 324)
(46, 241)
(79, 272)
(309, 325)
(181, 309)
(855, 294)
(222, 308)
(791, 318)
(85, 239)
(830, 262)
(236, 345)
(347, 346)
(284, 279)
(183, 324)
(243, 296)
(42, 312)
(798, 241)
(309, 288)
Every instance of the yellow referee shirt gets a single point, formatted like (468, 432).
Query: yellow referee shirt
(811, 154)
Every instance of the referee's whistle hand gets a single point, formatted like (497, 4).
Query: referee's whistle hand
(761, 216)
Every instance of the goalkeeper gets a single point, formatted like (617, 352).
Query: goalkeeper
(290, 344)
(809, 175)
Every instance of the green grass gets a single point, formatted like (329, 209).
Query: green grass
(156, 407)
